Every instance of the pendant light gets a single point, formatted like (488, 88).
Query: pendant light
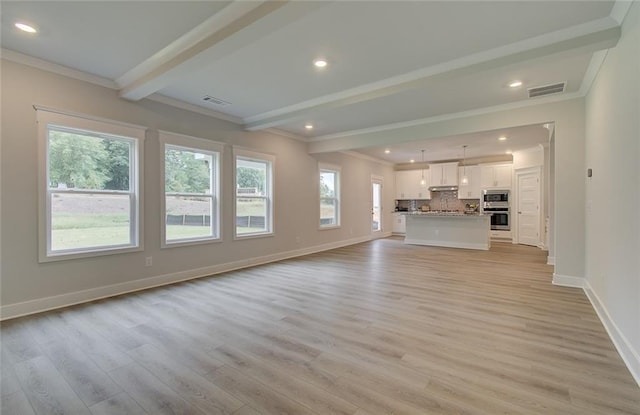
(423, 181)
(465, 179)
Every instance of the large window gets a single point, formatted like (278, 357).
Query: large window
(191, 206)
(254, 193)
(90, 184)
(329, 196)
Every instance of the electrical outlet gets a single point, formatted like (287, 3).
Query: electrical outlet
(148, 261)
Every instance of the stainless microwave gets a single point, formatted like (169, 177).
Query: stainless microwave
(495, 196)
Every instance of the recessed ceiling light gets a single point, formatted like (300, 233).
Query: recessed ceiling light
(502, 138)
(387, 151)
(515, 84)
(508, 152)
(320, 63)
(412, 161)
(308, 126)
(26, 28)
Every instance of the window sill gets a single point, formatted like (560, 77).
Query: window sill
(88, 254)
(237, 237)
(329, 227)
(189, 242)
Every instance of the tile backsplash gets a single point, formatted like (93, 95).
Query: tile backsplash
(447, 200)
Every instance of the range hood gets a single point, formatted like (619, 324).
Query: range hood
(442, 188)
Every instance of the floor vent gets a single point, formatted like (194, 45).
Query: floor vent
(539, 91)
(215, 101)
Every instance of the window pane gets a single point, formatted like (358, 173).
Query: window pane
(187, 171)
(328, 212)
(251, 177)
(251, 215)
(327, 184)
(188, 217)
(89, 220)
(82, 160)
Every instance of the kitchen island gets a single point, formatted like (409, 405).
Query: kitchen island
(452, 230)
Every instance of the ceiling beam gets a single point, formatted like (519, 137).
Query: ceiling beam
(180, 57)
(589, 37)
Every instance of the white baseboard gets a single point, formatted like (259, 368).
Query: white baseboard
(630, 356)
(39, 305)
(568, 281)
(551, 260)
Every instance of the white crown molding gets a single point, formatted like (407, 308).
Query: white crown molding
(452, 116)
(163, 99)
(592, 34)
(597, 59)
(44, 65)
(367, 157)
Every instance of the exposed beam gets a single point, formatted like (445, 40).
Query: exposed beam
(180, 57)
(588, 37)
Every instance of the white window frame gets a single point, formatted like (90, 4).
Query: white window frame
(49, 117)
(337, 171)
(204, 146)
(270, 160)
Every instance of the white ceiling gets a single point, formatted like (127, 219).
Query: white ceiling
(389, 61)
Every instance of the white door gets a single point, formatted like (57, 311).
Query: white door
(376, 205)
(529, 208)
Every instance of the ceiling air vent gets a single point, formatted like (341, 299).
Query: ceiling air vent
(215, 101)
(539, 91)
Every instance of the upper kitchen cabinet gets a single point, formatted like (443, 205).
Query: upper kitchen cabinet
(471, 190)
(444, 174)
(408, 185)
(496, 176)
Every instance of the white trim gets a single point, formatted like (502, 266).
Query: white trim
(551, 260)
(287, 134)
(135, 135)
(568, 281)
(21, 58)
(9, 311)
(630, 356)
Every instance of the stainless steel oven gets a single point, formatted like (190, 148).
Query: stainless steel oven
(500, 219)
(497, 203)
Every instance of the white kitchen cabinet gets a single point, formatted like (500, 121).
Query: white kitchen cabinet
(399, 223)
(496, 176)
(471, 190)
(444, 174)
(408, 185)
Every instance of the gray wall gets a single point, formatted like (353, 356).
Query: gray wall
(613, 193)
(296, 195)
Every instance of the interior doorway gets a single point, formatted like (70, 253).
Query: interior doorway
(528, 207)
(376, 204)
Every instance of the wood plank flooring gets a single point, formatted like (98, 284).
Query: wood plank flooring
(375, 328)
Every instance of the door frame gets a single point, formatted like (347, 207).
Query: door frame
(515, 208)
(380, 180)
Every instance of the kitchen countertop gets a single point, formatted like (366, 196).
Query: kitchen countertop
(445, 214)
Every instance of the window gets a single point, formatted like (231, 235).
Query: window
(191, 199)
(254, 193)
(329, 197)
(90, 186)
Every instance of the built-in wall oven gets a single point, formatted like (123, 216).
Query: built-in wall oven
(498, 204)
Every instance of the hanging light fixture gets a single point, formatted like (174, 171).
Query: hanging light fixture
(465, 179)
(423, 181)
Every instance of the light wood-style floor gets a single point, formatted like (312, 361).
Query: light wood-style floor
(375, 328)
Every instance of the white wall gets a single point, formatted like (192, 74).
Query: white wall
(613, 193)
(27, 284)
(530, 157)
